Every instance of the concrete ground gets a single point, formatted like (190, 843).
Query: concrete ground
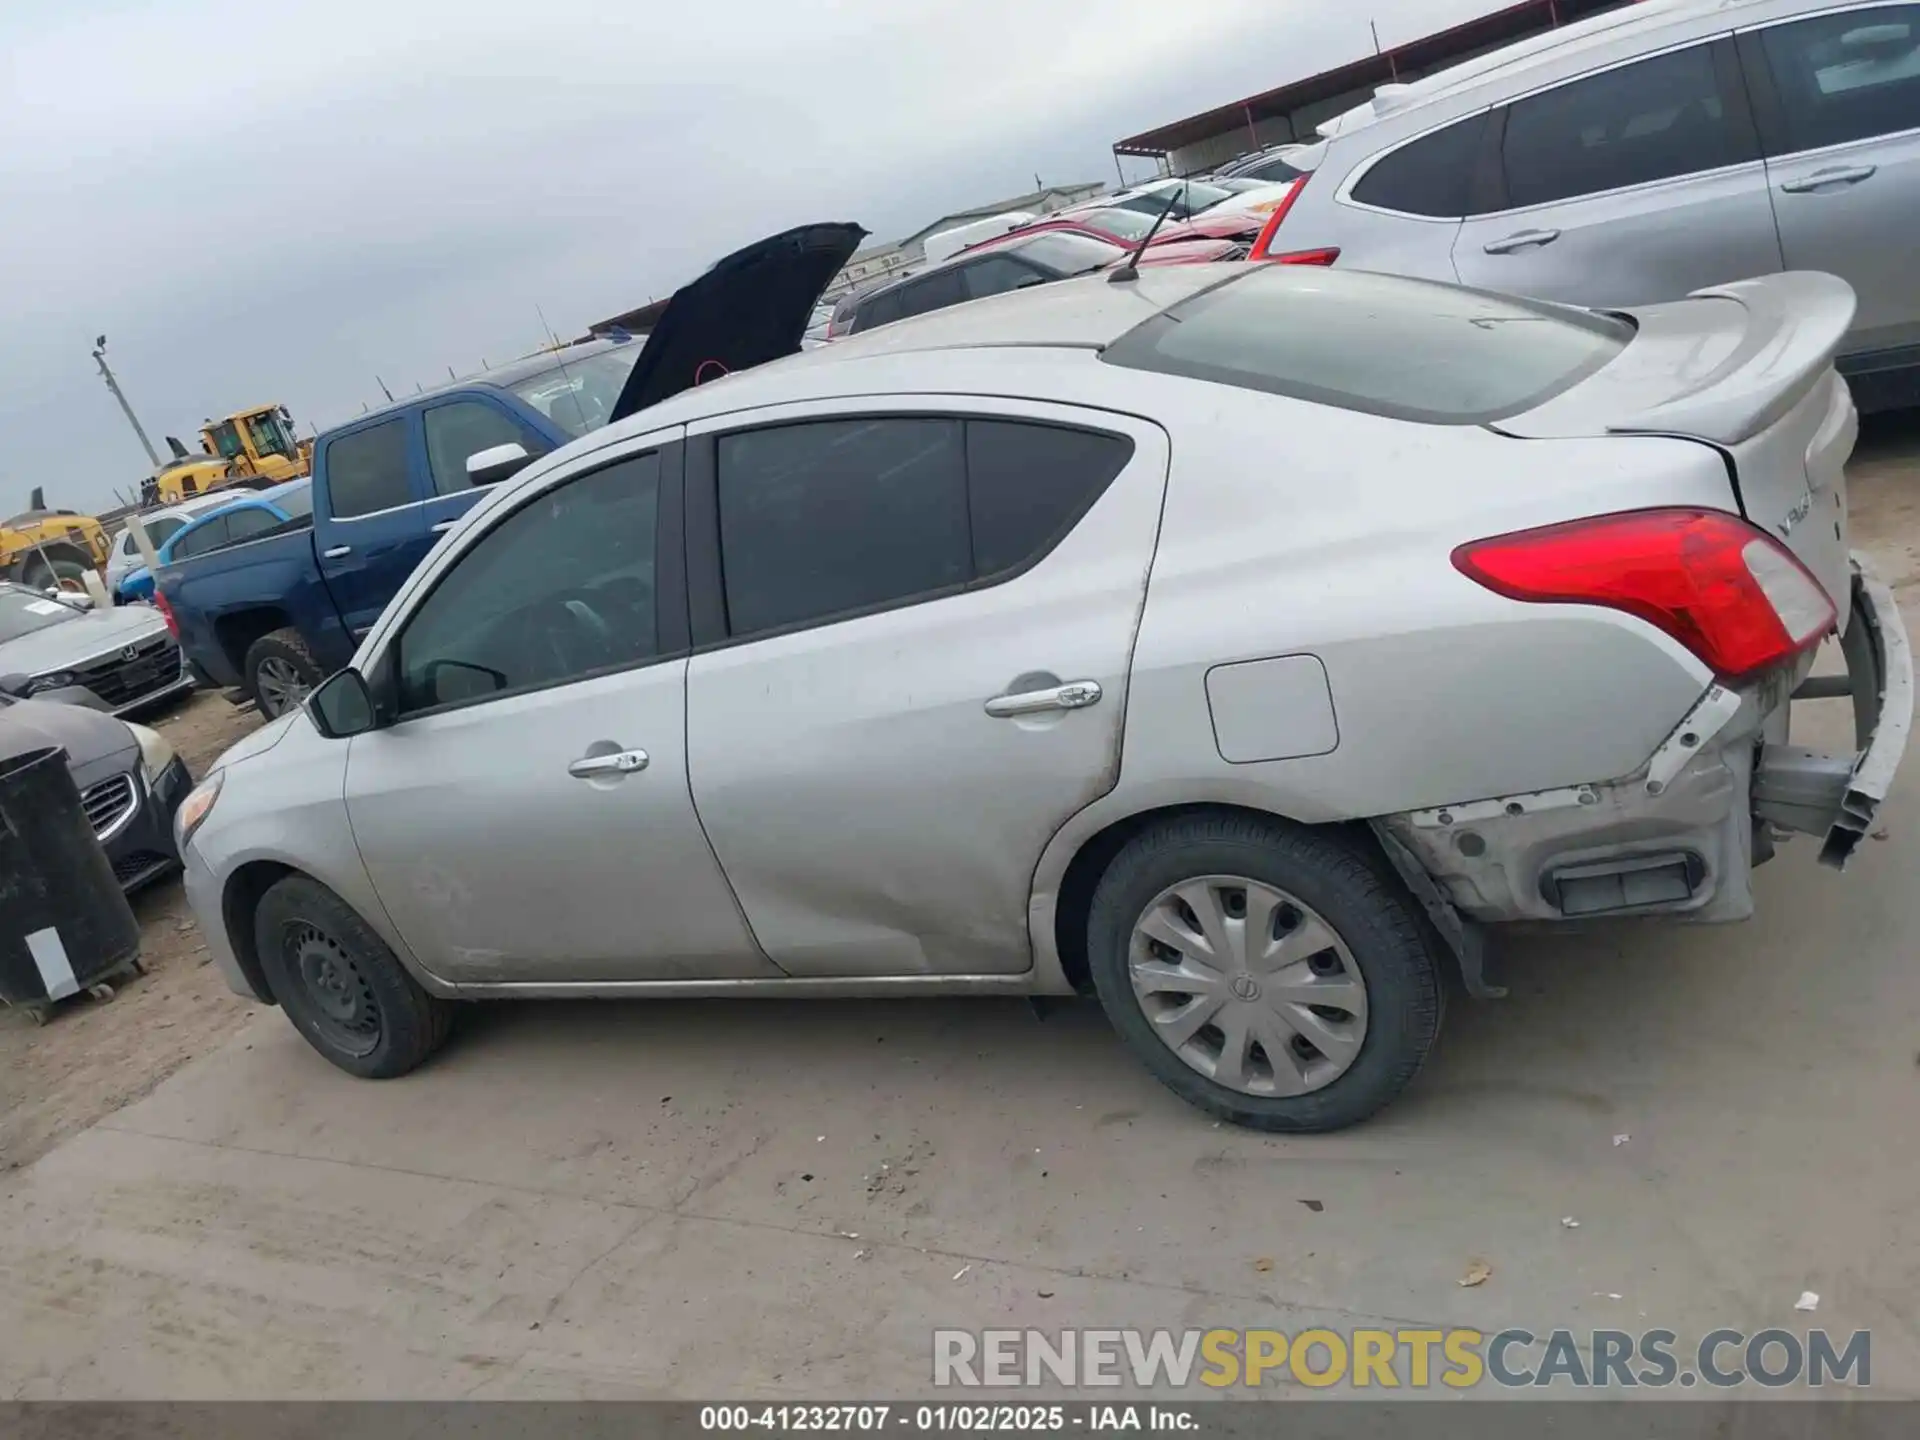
(784, 1199)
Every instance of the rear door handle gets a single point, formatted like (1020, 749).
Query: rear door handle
(1074, 695)
(1833, 175)
(621, 762)
(1520, 241)
(334, 552)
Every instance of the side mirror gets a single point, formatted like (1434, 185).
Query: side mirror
(491, 466)
(342, 705)
(14, 685)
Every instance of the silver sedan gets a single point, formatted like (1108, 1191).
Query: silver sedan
(1239, 644)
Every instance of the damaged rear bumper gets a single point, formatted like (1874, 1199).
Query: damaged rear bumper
(1837, 796)
(1681, 836)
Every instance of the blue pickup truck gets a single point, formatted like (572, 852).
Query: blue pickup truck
(273, 616)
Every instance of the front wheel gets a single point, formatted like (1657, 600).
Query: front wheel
(279, 671)
(341, 986)
(1265, 972)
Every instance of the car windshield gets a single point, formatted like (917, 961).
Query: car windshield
(1409, 349)
(1066, 254)
(1192, 198)
(579, 395)
(22, 612)
(1122, 224)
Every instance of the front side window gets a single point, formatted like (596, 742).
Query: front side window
(1381, 344)
(159, 532)
(832, 516)
(935, 291)
(1651, 120)
(462, 429)
(367, 470)
(560, 589)
(1429, 176)
(1845, 76)
(226, 440)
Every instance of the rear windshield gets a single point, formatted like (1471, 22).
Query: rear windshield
(1408, 349)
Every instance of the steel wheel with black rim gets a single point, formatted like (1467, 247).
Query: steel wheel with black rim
(340, 984)
(1271, 974)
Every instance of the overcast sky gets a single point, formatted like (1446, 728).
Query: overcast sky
(277, 202)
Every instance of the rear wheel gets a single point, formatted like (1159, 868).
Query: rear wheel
(280, 670)
(341, 986)
(1267, 973)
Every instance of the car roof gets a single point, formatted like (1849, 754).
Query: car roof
(501, 376)
(1552, 47)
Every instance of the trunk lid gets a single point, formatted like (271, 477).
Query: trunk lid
(1746, 367)
(749, 308)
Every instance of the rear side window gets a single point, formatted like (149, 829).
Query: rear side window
(1848, 76)
(839, 515)
(1028, 484)
(1429, 176)
(832, 517)
(159, 532)
(367, 470)
(245, 524)
(997, 274)
(1381, 344)
(198, 541)
(932, 292)
(1650, 120)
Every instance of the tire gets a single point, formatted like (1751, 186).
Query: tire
(46, 566)
(341, 986)
(1373, 926)
(274, 667)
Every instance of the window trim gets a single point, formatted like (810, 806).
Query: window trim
(1770, 112)
(707, 600)
(670, 591)
(1344, 194)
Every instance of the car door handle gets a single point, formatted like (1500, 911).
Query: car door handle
(1074, 695)
(1833, 175)
(1520, 240)
(444, 526)
(334, 552)
(621, 762)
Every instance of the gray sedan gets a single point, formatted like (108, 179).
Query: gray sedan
(53, 648)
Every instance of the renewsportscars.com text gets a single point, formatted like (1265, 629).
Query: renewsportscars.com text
(1457, 1359)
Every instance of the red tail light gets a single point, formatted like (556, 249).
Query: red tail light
(1722, 588)
(1263, 244)
(1307, 257)
(166, 612)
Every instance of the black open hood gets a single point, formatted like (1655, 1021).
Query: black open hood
(749, 308)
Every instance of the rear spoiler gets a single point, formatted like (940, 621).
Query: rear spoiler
(1795, 323)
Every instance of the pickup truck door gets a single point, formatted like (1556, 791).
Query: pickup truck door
(456, 428)
(370, 527)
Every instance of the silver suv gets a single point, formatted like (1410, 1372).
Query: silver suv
(1644, 154)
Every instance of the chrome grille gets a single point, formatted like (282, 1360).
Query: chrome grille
(124, 676)
(110, 804)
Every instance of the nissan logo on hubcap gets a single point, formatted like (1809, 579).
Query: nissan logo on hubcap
(1244, 987)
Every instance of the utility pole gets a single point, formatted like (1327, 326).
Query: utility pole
(100, 359)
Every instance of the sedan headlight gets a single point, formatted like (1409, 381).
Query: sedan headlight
(196, 807)
(155, 753)
(55, 680)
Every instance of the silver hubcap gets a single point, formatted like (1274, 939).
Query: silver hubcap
(1248, 986)
(280, 685)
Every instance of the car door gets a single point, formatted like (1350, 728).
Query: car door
(454, 430)
(526, 817)
(1637, 183)
(1837, 96)
(912, 621)
(375, 528)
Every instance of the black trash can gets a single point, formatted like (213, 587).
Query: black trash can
(64, 925)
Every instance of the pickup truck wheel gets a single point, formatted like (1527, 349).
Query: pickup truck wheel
(1267, 973)
(341, 986)
(280, 670)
